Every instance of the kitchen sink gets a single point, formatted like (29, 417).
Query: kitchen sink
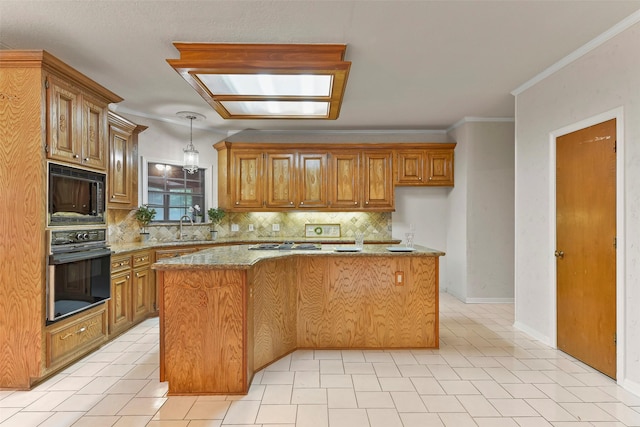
(286, 246)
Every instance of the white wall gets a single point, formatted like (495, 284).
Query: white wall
(456, 260)
(427, 209)
(481, 213)
(603, 80)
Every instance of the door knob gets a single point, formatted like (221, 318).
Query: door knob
(559, 254)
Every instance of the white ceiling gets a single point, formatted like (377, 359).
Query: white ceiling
(415, 64)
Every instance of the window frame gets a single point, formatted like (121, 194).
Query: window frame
(144, 188)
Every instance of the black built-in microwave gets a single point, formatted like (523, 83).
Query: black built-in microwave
(76, 196)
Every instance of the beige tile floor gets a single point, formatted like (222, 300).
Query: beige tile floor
(485, 374)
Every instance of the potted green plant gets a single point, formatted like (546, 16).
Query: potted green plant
(144, 215)
(215, 216)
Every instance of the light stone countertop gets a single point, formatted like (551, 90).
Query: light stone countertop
(123, 248)
(240, 257)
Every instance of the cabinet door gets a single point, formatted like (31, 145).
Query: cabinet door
(63, 129)
(94, 134)
(440, 167)
(247, 180)
(140, 294)
(120, 303)
(312, 186)
(280, 180)
(120, 167)
(378, 176)
(409, 167)
(345, 180)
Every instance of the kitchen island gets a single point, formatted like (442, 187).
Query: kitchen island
(227, 312)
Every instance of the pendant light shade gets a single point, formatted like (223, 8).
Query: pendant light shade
(191, 155)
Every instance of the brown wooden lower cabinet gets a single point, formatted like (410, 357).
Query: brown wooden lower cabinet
(219, 326)
(132, 292)
(69, 339)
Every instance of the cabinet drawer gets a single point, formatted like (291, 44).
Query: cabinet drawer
(140, 259)
(120, 263)
(69, 340)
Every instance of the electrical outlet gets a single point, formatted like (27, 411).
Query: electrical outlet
(399, 278)
(275, 227)
(251, 227)
(235, 227)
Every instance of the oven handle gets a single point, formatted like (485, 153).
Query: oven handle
(65, 258)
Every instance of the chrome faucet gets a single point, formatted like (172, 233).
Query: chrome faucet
(181, 218)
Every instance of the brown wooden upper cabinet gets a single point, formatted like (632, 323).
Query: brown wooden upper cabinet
(277, 180)
(313, 177)
(77, 125)
(424, 167)
(326, 177)
(123, 162)
(440, 163)
(361, 180)
(345, 180)
(247, 182)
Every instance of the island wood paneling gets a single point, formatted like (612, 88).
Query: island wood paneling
(274, 299)
(353, 302)
(217, 327)
(22, 223)
(402, 316)
(204, 331)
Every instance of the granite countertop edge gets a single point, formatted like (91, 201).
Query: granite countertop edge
(124, 248)
(240, 257)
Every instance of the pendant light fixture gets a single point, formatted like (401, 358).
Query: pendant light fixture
(191, 155)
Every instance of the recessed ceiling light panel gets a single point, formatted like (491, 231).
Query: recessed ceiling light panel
(277, 109)
(259, 81)
(267, 84)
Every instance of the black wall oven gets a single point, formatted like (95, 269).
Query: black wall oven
(79, 275)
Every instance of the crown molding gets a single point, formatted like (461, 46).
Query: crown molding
(621, 26)
(471, 119)
(174, 121)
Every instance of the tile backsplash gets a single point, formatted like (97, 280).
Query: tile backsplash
(124, 228)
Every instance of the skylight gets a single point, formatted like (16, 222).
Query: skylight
(259, 81)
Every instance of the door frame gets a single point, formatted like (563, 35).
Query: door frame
(618, 114)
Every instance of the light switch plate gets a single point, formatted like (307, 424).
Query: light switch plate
(235, 227)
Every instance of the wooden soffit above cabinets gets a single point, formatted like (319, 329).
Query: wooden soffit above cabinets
(266, 81)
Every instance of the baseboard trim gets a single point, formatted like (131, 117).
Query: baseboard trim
(490, 300)
(534, 334)
(631, 386)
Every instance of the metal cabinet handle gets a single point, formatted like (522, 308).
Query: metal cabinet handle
(76, 156)
(559, 254)
(86, 159)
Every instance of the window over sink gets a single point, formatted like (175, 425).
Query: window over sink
(173, 192)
